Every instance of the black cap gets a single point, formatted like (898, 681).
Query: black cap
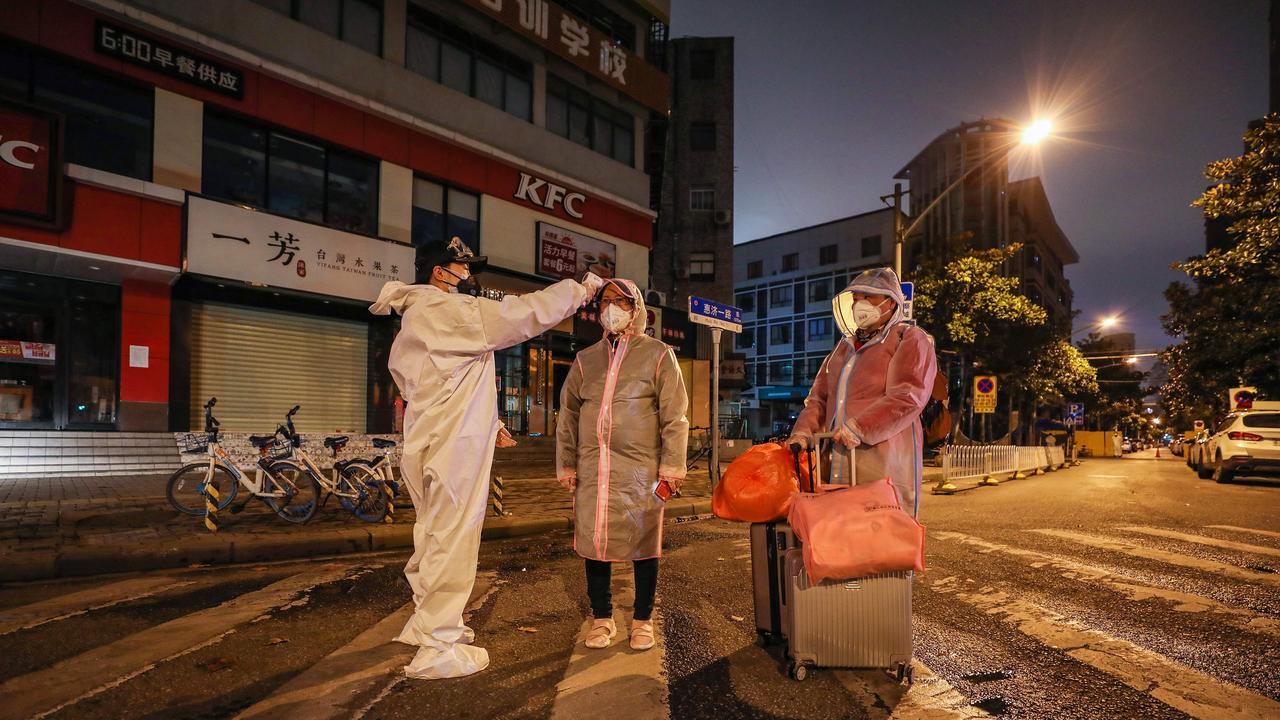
(442, 253)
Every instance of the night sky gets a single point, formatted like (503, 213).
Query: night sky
(832, 98)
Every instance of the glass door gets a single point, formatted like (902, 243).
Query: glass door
(28, 363)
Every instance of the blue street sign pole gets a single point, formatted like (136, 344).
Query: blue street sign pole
(718, 317)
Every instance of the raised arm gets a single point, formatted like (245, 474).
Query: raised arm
(514, 320)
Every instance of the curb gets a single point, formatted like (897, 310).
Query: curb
(228, 549)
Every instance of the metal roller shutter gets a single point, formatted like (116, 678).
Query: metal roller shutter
(259, 364)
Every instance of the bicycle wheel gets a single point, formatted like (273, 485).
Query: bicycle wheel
(185, 489)
(300, 492)
(371, 504)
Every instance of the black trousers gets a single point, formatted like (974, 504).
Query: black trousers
(600, 573)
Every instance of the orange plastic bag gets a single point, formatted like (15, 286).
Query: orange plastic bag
(856, 531)
(758, 485)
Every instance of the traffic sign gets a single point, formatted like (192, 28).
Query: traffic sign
(1075, 413)
(714, 314)
(984, 393)
(908, 295)
(1241, 398)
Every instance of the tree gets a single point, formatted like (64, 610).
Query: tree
(1060, 371)
(1227, 317)
(1117, 401)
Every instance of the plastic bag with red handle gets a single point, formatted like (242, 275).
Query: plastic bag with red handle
(759, 484)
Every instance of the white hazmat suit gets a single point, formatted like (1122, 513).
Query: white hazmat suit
(442, 361)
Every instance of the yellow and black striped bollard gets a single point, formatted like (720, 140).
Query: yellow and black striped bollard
(391, 502)
(497, 491)
(211, 500)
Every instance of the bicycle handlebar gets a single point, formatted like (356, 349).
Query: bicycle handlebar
(210, 422)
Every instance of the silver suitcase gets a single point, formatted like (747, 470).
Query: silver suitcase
(862, 623)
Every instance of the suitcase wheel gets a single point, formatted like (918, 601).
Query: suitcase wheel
(904, 671)
(797, 671)
(763, 638)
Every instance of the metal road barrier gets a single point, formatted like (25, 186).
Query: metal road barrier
(985, 462)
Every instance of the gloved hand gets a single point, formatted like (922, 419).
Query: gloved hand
(845, 437)
(592, 283)
(568, 481)
(801, 440)
(504, 439)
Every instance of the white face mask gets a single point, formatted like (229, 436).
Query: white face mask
(615, 319)
(851, 315)
(865, 315)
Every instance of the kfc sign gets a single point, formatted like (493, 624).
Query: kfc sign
(30, 169)
(549, 195)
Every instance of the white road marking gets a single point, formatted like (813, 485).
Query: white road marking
(349, 674)
(1110, 477)
(1124, 585)
(1172, 683)
(79, 603)
(631, 683)
(46, 691)
(1267, 533)
(929, 698)
(1202, 540)
(1187, 561)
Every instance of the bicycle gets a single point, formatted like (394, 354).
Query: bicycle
(294, 499)
(380, 466)
(358, 490)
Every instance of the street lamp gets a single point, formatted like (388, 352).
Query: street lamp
(1109, 321)
(1032, 135)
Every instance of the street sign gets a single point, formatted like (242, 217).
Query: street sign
(908, 295)
(984, 393)
(714, 314)
(1075, 414)
(1241, 398)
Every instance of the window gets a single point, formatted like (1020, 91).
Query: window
(746, 301)
(761, 345)
(440, 213)
(779, 334)
(762, 373)
(575, 114)
(790, 261)
(702, 136)
(702, 266)
(780, 296)
(820, 329)
(108, 123)
(870, 246)
(743, 340)
(249, 164)
(755, 269)
(702, 199)
(780, 372)
(458, 59)
(603, 19)
(702, 64)
(798, 336)
(819, 290)
(828, 254)
(358, 22)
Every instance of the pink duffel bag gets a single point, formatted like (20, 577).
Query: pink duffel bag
(856, 531)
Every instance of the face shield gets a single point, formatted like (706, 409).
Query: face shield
(853, 314)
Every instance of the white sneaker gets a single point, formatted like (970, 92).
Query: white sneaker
(601, 634)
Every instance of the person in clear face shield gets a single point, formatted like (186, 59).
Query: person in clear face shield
(870, 390)
(442, 362)
(621, 441)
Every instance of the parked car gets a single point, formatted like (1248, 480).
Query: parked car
(1246, 441)
(1126, 446)
(1194, 450)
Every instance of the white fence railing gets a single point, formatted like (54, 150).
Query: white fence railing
(985, 462)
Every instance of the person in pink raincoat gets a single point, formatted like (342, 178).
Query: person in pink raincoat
(871, 389)
(621, 432)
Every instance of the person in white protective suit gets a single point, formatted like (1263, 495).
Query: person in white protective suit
(442, 362)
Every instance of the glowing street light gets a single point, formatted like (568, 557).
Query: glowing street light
(1036, 131)
(1108, 321)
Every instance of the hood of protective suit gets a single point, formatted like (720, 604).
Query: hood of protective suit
(640, 318)
(881, 281)
(398, 296)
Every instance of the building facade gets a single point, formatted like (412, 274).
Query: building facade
(784, 284)
(212, 193)
(693, 245)
(986, 210)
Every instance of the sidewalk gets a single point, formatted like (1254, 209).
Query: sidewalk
(59, 527)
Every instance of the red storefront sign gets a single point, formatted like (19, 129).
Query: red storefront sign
(30, 167)
(29, 352)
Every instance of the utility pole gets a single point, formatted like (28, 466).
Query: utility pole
(898, 239)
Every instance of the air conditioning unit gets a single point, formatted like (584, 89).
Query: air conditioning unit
(654, 298)
(724, 217)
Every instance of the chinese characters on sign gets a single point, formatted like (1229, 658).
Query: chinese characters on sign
(242, 244)
(168, 60)
(28, 352)
(566, 254)
(573, 39)
(984, 394)
(714, 314)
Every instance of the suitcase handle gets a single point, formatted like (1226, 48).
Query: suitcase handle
(853, 462)
(795, 456)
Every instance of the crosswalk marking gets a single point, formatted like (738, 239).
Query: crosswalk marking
(1126, 586)
(1234, 528)
(1202, 540)
(615, 677)
(78, 603)
(929, 698)
(1187, 561)
(1172, 683)
(352, 673)
(43, 692)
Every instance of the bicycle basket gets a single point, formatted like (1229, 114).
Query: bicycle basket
(280, 450)
(191, 443)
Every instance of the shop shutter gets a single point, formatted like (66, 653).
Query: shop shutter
(261, 363)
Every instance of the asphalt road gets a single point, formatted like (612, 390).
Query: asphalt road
(1118, 589)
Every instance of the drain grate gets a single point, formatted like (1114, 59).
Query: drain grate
(993, 705)
(989, 676)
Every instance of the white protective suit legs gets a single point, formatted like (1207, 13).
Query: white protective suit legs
(442, 569)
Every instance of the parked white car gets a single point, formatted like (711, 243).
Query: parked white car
(1245, 442)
